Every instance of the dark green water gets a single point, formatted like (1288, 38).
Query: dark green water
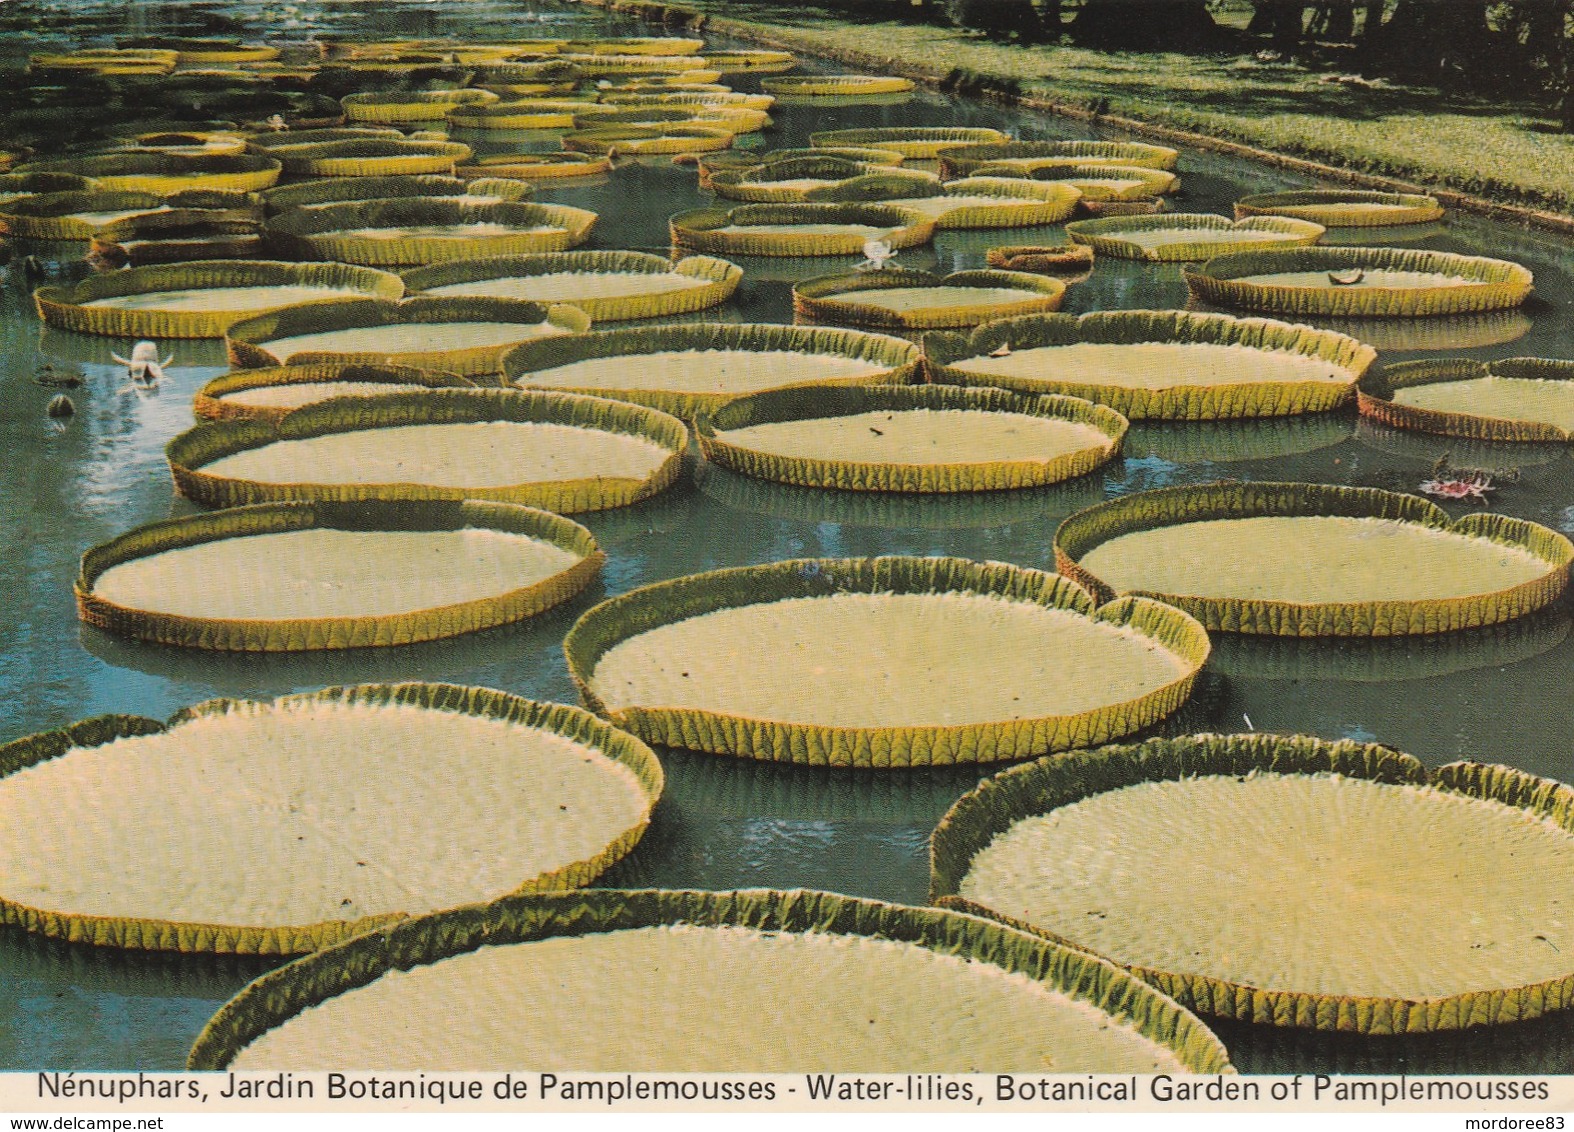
(1501, 695)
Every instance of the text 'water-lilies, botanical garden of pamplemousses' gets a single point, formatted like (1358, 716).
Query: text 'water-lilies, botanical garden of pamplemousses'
(380, 489)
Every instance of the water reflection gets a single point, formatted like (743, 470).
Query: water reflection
(862, 858)
(963, 249)
(728, 787)
(1387, 660)
(1385, 235)
(99, 1008)
(527, 657)
(1542, 1046)
(1193, 442)
(501, 143)
(897, 509)
(92, 349)
(795, 269)
(1462, 451)
(837, 101)
(1404, 335)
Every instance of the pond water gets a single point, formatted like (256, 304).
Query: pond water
(1497, 696)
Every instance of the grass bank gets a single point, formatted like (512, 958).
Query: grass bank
(1412, 135)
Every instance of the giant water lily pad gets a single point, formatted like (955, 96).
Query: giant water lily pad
(518, 114)
(1514, 399)
(597, 64)
(204, 299)
(815, 177)
(799, 229)
(283, 577)
(605, 981)
(180, 235)
(553, 450)
(322, 815)
(836, 86)
(1189, 236)
(192, 51)
(108, 61)
(740, 160)
(909, 300)
(336, 190)
(73, 214)
(635, 45)
(188, 144)
(1360, 282)
(1171, 365)
(605, 285)
(1026, 156)
(993, 202)
(515, 79)
(883, 662)
(674, 110)
(677, 137)
(371, 157)
(920, 142)
(403, 107)
(270, 393)
(926, 438)
(1315, 560)
(680, 90)
(683, 369)
(266, 143)
(405, 232)
(1343, 208)
(466, 336)
(167, 173)
(535, 166)
(15, 186)
(753, 61)
(1348, 888)
(1096, 183)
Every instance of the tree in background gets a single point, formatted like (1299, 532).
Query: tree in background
(1503, 49)
(1546, 29)
(1146, 25)
(1496, 49)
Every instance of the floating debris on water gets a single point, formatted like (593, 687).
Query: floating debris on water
(58, 377)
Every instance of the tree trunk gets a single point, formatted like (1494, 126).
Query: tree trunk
(1280, 21)
(1049, 17)
(1371, 17)
(998, 19)
(1145, 25)
(1431, 42)
(1561, 52)
(1335, 20)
